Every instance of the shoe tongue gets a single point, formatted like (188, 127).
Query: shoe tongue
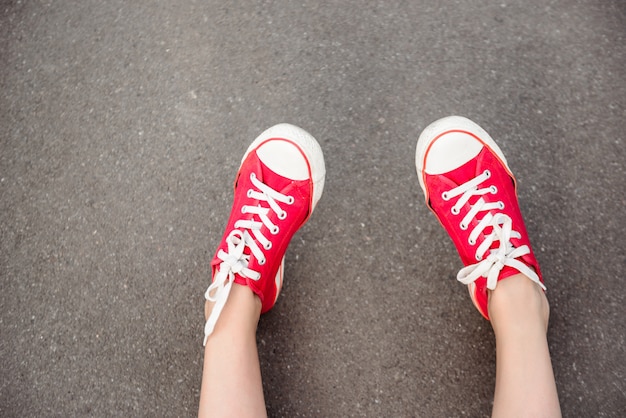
(468, 171)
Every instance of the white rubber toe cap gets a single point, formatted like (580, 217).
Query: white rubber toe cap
(448, 143)
(285, 159)
(450, 151)
(291, 158)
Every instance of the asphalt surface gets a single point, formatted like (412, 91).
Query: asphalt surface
(122, 125)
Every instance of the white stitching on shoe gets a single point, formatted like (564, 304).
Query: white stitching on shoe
(506, 254)
(234, 261)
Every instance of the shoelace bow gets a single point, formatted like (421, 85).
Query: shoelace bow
(247, 233)
(506, 254)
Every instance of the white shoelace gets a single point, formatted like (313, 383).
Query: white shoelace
(247, 234)
(505, 255)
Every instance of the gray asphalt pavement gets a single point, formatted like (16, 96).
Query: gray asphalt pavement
(122, 124)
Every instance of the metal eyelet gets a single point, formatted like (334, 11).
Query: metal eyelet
(493, 189)
(478, 258)
(282, 215)
(249, 193)
(487, 173)
(501, 205)
(463, 226)
(252, 176)
(274, 230)
(445, 196)
(291, 200)
(268, 246)
(454, 210)
(243, 209)
(471, 241)
(262, 262)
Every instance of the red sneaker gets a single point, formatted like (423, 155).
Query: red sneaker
(470, 188)
(279, 182)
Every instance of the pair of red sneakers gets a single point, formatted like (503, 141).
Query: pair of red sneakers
(465, 178)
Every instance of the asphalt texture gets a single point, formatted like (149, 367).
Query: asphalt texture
(122, 125)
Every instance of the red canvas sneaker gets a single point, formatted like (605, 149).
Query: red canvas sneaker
(279, 182)
(470, 188)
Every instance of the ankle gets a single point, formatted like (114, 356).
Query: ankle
(242, 306)
(518, 300)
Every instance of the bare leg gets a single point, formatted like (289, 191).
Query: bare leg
(525, 385)
(280, 180)
(231, 377)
